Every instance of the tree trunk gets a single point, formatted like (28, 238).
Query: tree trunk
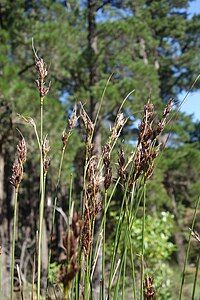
(92, 58)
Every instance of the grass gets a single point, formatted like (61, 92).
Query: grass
(86, 251)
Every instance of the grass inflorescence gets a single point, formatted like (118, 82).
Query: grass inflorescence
(88, 268)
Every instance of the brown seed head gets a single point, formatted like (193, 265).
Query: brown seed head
(45, 147)
(117, 127)
(71, 242)
(107, 178)
(149, 291)
(107, 168)
(47, 163)
(121, 166)
(22, 150)
(41, 68)
(17, 173)
(87, 122)
(106, 154)
(42, 74)
(86, 235)
(71, 124)
(168, 108)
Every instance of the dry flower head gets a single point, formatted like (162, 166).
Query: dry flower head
(17, 168)
(147, 150)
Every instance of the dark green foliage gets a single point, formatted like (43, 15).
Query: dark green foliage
(151, 47)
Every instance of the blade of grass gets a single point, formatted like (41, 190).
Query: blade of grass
(188, 249)
(13, 242)
(1, 269)
(143, 246)
(20, 282)
(124, 271)
(41, 208)
(196, 277)
(116, 292)
(104, 245)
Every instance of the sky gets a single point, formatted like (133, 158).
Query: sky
(192, 104)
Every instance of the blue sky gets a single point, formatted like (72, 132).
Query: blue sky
(192, 104)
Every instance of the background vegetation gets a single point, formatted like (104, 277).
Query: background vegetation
(151, 47)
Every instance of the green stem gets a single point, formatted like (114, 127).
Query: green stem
(55, 203)
(116, 244)
(66, 292)
(58, 183)
(188, 248)
(124, 272)
(37, 136)
(1, 269)
(87, 280)
(104, 245)
(41, 209)
(196, 276)
(142, 256)
(133, 267)
(13, 243)
(116, 291)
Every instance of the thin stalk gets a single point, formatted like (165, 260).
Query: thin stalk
(119, 225)
(13, 243)
(76, 289)
(117, 236)
(66, 292)
(37, 136)
(41, 126)
(41, 209)
(116, 244)
(142, 255)
(195, 278)
(116, 292)
(133, 269)
(129, 217)
(115, 272)
(71, 204)
(79, 274)
(1, 269)
(90, 260)
(88, 266)
(188, 248)
(104, 245)
(124, 272)
(86, 280)
(57, 184)
(101, 101)
(33, 279)
(54, 205)
(20, 283)
(109, 200)
(99, 239)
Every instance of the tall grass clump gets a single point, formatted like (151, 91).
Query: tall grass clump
(89, 267)
(43, 90)
(17, 176)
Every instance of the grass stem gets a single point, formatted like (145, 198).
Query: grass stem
(13, 243)
(143, 246)
(196, 277)
(41, 208)
(188, 248)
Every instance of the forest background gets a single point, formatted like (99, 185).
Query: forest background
(149, 46)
